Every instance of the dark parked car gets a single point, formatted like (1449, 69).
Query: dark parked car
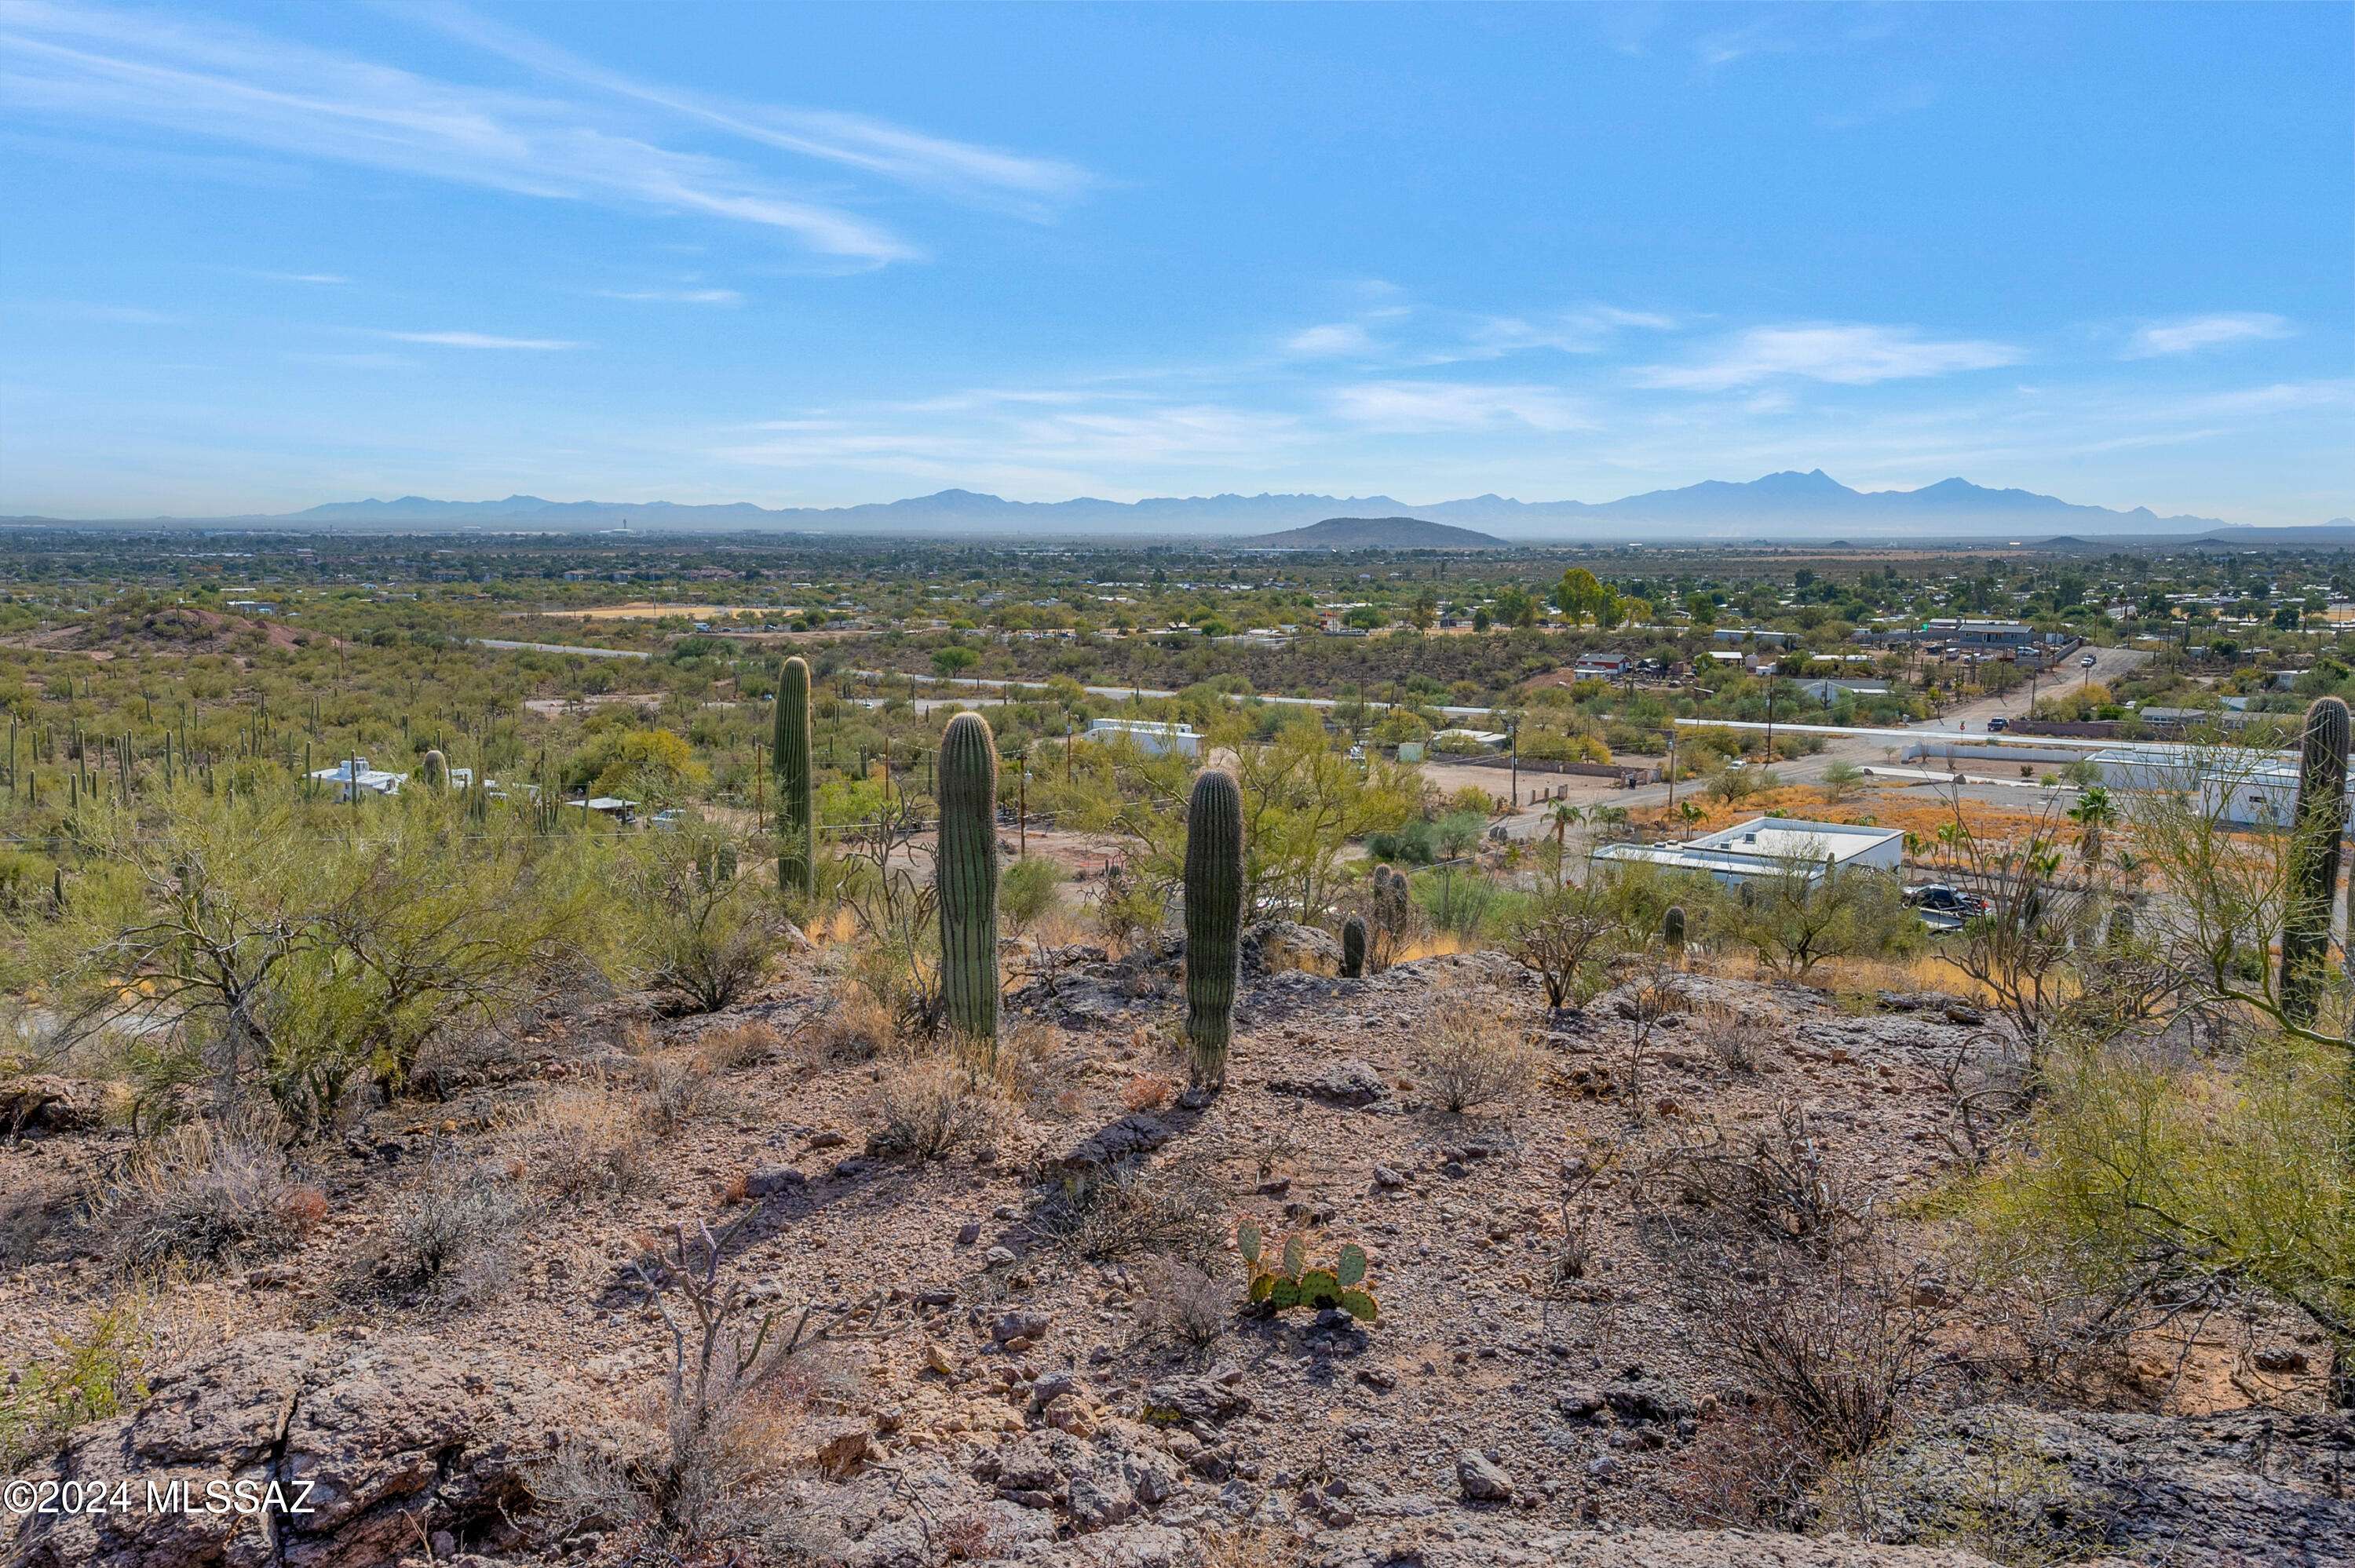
(1942, 899)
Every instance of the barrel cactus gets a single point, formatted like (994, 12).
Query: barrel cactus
(1353, 947)
(967, 876)
(434, 771)
(1672, 928)
(2316, 837)
(796, 819)
(1214, 916)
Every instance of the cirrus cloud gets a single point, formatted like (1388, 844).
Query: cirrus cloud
(2189, 334)
(1846, 356)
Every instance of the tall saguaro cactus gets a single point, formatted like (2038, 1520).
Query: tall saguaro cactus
(1214, 918)
(2316, 837)
(967, 875)
(796, 820)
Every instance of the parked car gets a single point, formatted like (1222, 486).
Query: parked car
(1997, 724)
(2087, 662)
(1945, 900)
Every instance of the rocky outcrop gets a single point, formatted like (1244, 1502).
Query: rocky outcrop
(42, 1103)
(2250, 1486)
(1459, 1538)
(329, 1453)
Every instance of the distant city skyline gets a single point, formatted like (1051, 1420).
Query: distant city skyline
(264, 257)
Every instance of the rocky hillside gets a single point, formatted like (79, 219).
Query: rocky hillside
(1665, 1244)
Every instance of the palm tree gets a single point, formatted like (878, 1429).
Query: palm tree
(2094, 812)
(1563, 815)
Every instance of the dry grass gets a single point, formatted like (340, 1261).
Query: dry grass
(1147, 1092)
(739, 1046)
(1185, 1304)
(207, 1193)
(925, 1108)
(1475, 1061)
(1922, 972)
(583, 1142)
(1174, 1213)
(454, 1234)
(858, 1027)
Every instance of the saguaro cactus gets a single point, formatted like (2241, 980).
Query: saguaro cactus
(967, 875)
(434, 771)
(1672, 928)
(1214, 918)
(796, 819)
(1353, 947)
(2317, 833)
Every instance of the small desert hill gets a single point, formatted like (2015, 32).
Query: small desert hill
(1376, 534)
(166, 629)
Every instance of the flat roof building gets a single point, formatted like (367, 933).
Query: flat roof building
(1148, 735)
(1770, 847)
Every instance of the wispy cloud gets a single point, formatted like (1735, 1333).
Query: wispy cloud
(2189, 334)
(1886, 103)
(1587, 330)
(313, 280)
(479, 340)
(1332, 338)
(1411, 406)
(874, 146)
(674, 296)
(118, 315)
(211, 80)
(1846, 356)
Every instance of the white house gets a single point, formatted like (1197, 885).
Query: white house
(1148, 735)
(1773, 846)
(1466, 741)
(1610, 666)
(354, 776)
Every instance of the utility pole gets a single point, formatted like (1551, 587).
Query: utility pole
(1513, 734)
(1672, 766)
(1022, 801)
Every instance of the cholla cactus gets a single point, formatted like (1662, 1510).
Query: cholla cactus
(1353, 947)
(1214, 915)
(967, 875)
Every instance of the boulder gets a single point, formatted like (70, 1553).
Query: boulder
(1273, 947)
(366, 1444)
(2247, 1486)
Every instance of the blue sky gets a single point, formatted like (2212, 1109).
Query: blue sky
(260, 256)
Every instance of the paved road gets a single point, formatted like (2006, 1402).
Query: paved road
(926, 704)
(558, 647)
(2109, 663)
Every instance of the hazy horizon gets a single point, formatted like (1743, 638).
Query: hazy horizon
(817, 258)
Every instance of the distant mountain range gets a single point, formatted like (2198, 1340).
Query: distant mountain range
(1374, 534)
(1785, 506)
(1789, 505)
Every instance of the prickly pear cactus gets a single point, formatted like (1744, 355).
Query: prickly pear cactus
(1290, 1279)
